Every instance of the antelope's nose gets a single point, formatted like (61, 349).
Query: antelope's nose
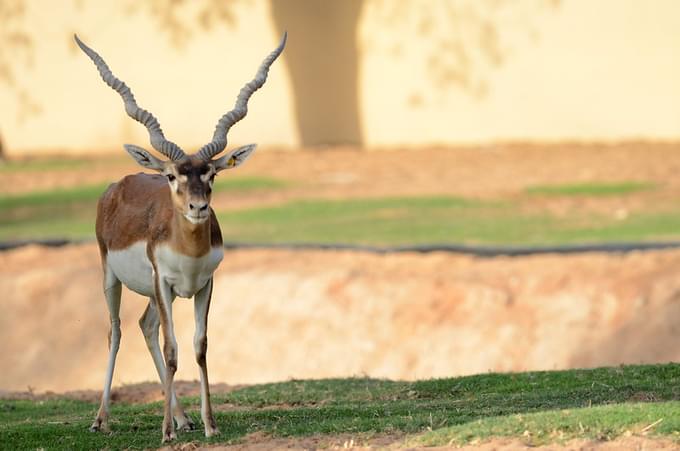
(198, 206)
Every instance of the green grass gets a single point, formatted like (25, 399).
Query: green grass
(244, 184)
(70, 213)
(86, 193)
(591, 189)
(601, 403)
(60, 213)
(426, 220)
(373, 221)
(594, 423)
(378, 221)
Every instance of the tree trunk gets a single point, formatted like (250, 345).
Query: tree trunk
(3, 157)
(323, 62)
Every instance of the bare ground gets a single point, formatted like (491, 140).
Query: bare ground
(264, 443)
(280, 314)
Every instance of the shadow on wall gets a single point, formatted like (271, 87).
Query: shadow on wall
(457, 45)
(450, 45)
(323, 60)
(438, 44)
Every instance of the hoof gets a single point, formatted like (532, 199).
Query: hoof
(168, 437)
(209, 432)
(99, 425)
(186, 425)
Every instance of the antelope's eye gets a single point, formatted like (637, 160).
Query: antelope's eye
(171, 177)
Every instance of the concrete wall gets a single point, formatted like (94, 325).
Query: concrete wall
(371, 72)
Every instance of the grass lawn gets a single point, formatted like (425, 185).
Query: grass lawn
(552, 406)
(70, 213)
(428, 220)
(376, 221)
(591, 189)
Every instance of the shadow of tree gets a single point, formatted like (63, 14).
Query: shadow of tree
(323, 60)
(16, 49)
(458, 43)
(462, 42)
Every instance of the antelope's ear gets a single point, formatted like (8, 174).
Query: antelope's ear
(234, 158)
(144, 158)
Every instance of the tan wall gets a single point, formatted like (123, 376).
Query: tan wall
(187, 89)
(414, 73)
(583, 69)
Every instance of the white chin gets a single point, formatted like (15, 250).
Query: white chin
(196, 219)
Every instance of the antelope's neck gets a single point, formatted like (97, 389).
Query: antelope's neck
(192, 240)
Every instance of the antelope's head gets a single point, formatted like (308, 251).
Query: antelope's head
(190, 176)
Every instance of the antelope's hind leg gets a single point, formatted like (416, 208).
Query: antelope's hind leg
(150, 323)
(112, 291)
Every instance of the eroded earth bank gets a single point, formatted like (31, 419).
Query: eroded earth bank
(280, 314)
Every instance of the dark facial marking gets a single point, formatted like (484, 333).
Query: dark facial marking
(193, 172)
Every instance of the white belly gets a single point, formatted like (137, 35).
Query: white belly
(185, 275)
(132, 267)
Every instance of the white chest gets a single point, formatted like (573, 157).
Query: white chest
(185, 275)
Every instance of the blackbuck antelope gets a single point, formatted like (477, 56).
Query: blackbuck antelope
(159, 237)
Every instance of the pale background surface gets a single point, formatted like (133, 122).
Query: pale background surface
(400, 73)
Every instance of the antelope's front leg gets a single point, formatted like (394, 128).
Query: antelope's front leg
(201, 307)
(164, 299)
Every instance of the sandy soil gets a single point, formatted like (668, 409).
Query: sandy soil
(281, 314)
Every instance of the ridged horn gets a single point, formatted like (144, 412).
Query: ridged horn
(156, 137)
(219, 141)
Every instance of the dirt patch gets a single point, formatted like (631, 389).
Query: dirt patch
(488, 172)
(280, 314)
(620, 444)
(264, 442)
(143, 392)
